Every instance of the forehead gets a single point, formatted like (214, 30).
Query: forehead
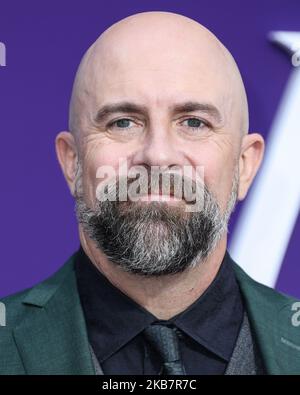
(158, 73)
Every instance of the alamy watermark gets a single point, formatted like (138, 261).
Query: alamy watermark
(2, 54)
(296, 316)
(155, 183)
(2, 314)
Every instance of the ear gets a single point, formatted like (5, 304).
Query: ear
(252, 151)
(67, 157)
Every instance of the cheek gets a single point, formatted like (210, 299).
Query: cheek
(218, 173)
(99, 159)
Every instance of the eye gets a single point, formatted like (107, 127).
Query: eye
(123, 123)
(194, 123)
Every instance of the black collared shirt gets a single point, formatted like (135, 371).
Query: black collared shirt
(115, 323)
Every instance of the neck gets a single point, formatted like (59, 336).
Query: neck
(164, 296)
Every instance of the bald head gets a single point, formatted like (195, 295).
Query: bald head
(157, 92)
(146, 55)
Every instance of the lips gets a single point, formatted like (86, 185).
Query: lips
(159, 197)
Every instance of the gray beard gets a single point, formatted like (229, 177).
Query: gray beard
(155, 239)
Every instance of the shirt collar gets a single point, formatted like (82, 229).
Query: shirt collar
(113, 318)
(214, 319)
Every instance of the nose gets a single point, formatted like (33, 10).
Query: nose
(159, 148)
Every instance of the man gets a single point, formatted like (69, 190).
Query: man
(152, 288)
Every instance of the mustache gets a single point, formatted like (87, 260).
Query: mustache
(170, 184)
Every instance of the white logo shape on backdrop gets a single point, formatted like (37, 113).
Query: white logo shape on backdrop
(2, 54)
(266, 223)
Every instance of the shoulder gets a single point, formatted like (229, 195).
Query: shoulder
(275, 320)
(16, 305)
(255, 290)
(45, 317)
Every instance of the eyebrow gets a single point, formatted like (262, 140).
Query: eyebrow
(130, 108)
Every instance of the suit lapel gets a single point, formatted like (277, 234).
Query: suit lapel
(53, 338)
(270, 315)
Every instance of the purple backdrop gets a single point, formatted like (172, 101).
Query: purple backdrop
(44, 43)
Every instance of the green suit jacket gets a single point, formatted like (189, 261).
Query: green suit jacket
(45, 330)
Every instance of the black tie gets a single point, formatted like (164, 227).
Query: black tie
(164, 341)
